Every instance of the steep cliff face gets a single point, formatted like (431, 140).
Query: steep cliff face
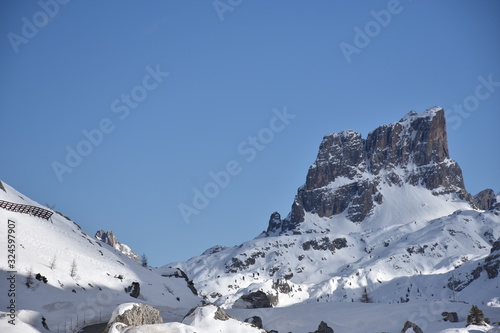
(349, 170)
(486, 199)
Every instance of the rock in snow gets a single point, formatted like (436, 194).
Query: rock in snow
(255, 300)
(134, 314)
(255, 320)
(109, 238)
(414, 327)
(323, 328)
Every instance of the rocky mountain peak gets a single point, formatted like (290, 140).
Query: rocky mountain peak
(109, 238)
(486, 199)
(349, 169)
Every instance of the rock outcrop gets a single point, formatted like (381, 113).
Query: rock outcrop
(109, 238)
(138, 314)
(255, 320)
(323, 328)
(492, 262)
(452, 317)
(486, 199)
(134, 290)
(254, 300)
(219, 313)
(179, 273)
(349, 170)
(274, 222)
(411, 325)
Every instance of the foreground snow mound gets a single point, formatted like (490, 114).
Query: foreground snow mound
(211, 318)
(206, 319)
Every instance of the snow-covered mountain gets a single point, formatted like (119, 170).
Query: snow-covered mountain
(388, 214)
(85, 278)
(383, 226)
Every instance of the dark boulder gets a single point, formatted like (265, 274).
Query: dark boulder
(452, 317)
(255, 320)
(256, 300)
(413, 326)
(323, 328)
(134, 289)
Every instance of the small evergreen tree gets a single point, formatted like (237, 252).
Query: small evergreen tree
(50, 206)
(476, 317)
(74, 269)
(365, 298)
(144, 260)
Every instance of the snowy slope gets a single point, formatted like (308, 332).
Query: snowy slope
(102, 274)
(413, 236)
(363, 318)
(342, 317)
(407, 260)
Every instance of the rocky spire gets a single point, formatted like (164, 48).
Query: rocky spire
(109, 238)
(349, 169)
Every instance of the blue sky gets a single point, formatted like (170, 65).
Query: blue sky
(158, 98)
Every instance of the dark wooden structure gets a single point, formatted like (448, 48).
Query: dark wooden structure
(26, 209)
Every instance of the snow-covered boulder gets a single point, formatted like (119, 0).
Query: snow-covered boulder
(211, 318)
(133, 314)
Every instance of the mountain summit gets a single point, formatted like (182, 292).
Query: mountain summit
(387, 214)
(349, 170)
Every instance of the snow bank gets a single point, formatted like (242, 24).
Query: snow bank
(121, 309)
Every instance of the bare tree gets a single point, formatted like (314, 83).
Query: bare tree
(53, 262)
(29, 278)
(74, 269)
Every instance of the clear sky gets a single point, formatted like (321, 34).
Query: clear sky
(120, 113)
